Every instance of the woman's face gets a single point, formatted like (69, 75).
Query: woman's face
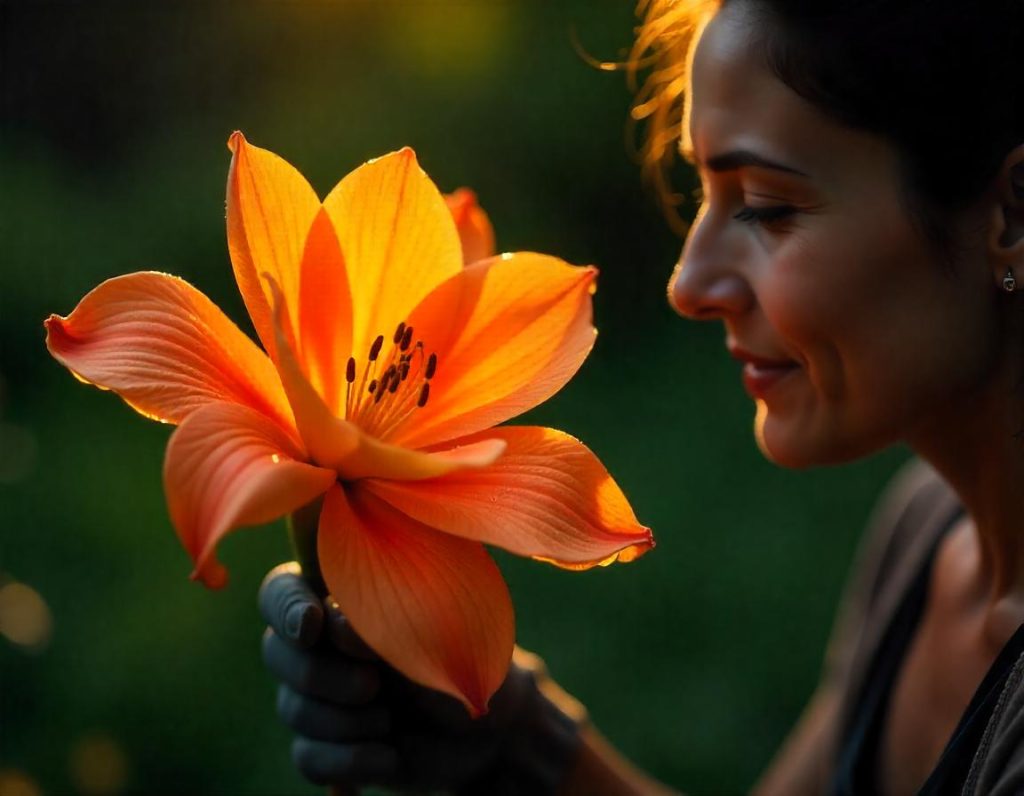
(852, 332)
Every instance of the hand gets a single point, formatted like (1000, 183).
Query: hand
(359, 722)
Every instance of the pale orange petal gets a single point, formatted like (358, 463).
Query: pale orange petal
(399, 242)
(475, 230)
(548, 496)
(165, 348)
(325, 313)
(228, 466)
(509, 333)
(432, 605)
(270, 209)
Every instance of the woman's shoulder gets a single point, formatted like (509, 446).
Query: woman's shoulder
(916, 507)
(913, 511)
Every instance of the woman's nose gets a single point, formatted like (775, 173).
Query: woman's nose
(706, 284)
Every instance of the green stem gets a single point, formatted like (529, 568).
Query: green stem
(302, 528)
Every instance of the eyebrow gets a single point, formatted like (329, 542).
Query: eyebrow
(738, 158)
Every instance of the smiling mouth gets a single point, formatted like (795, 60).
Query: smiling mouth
(762, 374)
(759, 379)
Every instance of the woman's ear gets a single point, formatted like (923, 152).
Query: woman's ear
(1006, 235)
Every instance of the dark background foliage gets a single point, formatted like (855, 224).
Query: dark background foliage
(694, 660)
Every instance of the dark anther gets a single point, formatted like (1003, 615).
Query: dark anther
(375, 348)
(395, 381)
(406, 338)
(424, 395)
(404, 370)
(398, 333)
(379, 395)
(431, 366)
(373, 387)
(350, 370)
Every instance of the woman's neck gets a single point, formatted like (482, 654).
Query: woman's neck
(977, 445)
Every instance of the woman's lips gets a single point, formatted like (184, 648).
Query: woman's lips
(759, 379)
(761, 374)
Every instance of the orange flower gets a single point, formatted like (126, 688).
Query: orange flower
(388, 363)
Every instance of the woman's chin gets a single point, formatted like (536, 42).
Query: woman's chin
(796, 444)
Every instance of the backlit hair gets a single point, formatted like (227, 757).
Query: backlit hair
(663, 46)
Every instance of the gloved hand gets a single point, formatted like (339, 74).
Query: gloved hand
(359, 722)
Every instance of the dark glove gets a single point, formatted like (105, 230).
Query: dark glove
(359, 722)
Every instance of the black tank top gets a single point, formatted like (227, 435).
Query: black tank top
(857, 770)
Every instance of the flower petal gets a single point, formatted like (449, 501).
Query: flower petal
(165, 348)
(376, 459)
(548, 497)
(433, 606)
(399, 241)
(325, 313)
(509, 333)
(270, 209)
(343, 446)
(473, 225)
(228, 466)
(328, 439)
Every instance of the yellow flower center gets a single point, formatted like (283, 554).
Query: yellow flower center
(389, 391)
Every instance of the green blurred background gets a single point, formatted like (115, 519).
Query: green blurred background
(694, 660)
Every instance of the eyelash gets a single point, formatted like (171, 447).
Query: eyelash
(764, 215)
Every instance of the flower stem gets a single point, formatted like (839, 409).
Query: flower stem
(302, 528)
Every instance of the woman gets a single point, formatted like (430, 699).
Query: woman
(861, 239)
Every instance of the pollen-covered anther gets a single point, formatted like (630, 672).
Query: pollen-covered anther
(375, 348)
(394, 382)
(397, 381)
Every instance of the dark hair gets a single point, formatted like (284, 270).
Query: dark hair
(942, 80)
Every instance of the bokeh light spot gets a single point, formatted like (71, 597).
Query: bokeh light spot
(98, 765)
(25, 618)
(17, 783)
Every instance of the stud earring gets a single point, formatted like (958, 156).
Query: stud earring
(1009, 283)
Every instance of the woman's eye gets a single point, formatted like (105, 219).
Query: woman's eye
(765, 215)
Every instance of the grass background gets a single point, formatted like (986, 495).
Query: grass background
(694, 660)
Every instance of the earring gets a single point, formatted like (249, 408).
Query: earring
(1009, 283)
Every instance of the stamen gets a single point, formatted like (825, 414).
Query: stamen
(350, 376)
(375, 348)
(397, 376)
